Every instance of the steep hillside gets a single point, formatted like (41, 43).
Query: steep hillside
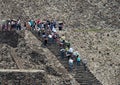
(101, 48)
(27, 54)
(75, 13)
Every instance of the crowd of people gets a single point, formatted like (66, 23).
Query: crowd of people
(7, 25)
(15, 24)
(48, 31)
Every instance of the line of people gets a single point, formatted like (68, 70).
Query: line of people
(48, 31)
(50, 36)
(8, 25)
(74, 57)
(15, 24)
(39, 25)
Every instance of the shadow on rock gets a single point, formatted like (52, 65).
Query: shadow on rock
(9, 37)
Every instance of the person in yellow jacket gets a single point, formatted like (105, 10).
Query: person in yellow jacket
(63, 38)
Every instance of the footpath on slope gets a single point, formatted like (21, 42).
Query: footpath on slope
(54, 73)
(82, 76)
(35, 44)
(19, 61)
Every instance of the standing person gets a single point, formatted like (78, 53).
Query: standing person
(68, 55)
(71, 50)
(51, 26)
(61, 44)
(54, 30)
(78, 60)
(54, 36)
(45, 41)
(15, 24)
(18, 24)
(43, 35)
(9, 24)
(75, 55)
(62, 53)
(84, 61)
(67, 43)
(42, 25)
(12, 24)
(34, 24)
(50, 39)
(38, 24)
(70, 64)
(57, 38)
(24, 25)
(54, 23)
(62, 39)
(60, 26)
(3, 25)
(39, 31)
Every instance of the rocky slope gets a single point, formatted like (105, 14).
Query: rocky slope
(75, 13)
(27, 53)
(101, 49)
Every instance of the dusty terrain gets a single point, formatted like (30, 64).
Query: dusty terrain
(83, 19)
(101, 49)
(28, 54)
(74, 13)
